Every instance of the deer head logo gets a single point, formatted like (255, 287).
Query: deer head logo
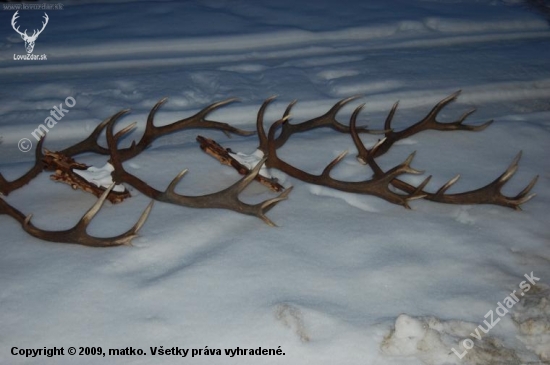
(29, 40)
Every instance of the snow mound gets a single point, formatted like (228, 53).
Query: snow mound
(431, 341)
(353, 200)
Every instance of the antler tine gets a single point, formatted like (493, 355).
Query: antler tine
(439, 106)
(362, 153)
(328, 169)
(331, 114)
(522, 197)
(428, 122)
(78, 234)
(289, 108)
(224, 199)
(498, 183)
(210, 108)
(148, 136)
(488, 194)
(286, 126)
(90, 143)
(7, 187)
(389, 118)
(260, 130)
(441, 191)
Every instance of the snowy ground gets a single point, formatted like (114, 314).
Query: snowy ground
(344, 279)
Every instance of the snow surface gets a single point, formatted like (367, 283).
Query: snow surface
(100, 176)
(344, 279)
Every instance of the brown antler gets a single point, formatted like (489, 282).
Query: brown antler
(225, 199)
(489, 194)
(90, 144)
(7, 187)
(287, 129)
(378, 185)
(77, 234)
(429, 122)
(153, 132)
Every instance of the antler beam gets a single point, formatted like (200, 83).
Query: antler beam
(489, 194)
(7, 187)
(225, 199)
(77, 234)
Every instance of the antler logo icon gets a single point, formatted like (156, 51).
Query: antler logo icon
(29, 40)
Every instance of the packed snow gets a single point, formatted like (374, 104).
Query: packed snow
(100, 176)
(344, 278)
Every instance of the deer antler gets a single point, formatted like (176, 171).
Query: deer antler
(489, 194)
(77, 234)
(378, 185)
(225, 199)
(428, 122)
(269, 143)
(153, 132)
(287, 129)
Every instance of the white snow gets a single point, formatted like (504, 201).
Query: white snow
(352, 280)
(100, 176)
(250, 161)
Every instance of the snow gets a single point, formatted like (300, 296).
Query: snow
(345, 278)
(100, 176)
(250, 161)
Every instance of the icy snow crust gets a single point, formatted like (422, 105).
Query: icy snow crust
(344, 279)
